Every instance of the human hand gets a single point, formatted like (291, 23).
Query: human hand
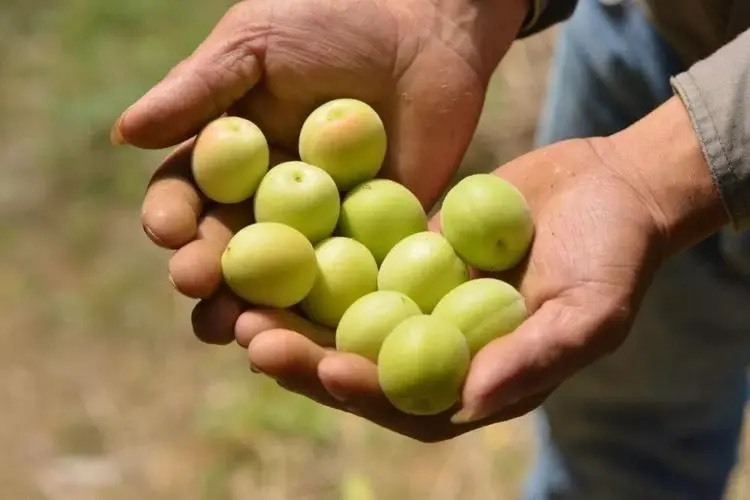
(424, 66)
(607, 212)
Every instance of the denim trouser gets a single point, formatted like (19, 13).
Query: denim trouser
(660, 418)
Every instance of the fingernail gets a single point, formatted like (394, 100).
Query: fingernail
(151, 235)
(254, 369)
(466, 416)
(171, 280)
(115, 136)
(338, 396)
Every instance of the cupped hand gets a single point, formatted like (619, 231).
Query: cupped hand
(423, 65)
(596, 246)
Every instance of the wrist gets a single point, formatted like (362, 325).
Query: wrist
(661, 157)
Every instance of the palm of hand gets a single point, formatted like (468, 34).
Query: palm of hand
(581, 289)
(586, 272)
(428, 92)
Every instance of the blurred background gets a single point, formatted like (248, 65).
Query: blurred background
(104, 392)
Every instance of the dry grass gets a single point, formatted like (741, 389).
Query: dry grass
(104, 393)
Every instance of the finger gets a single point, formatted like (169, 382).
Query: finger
(560, 338)
(172, 203)
(353, 381)
(214, 318)
(195, 269)
(256, 321)
(221, 70)
(292, 360)
(511, 412)
(224, 221)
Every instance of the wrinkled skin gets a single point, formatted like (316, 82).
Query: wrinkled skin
(583, 280)
(597, 242)
(275, 61)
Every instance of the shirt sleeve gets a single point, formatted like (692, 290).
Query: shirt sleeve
(716, 93)
(545, 13)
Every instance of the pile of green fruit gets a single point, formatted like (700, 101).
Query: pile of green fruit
(353, 253)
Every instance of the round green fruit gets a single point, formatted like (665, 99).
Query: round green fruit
(269, 264)
(483, 309)
(488, 222)
(380, 213)
(346, 271)
(301, 196)
(424, 267)
(422, 365)
(230, 157)
(369, 320)
(347, 139)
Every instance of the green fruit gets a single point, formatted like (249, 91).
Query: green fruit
(380, 213)
(301, 196)
(483, 309)
(347, 139)
(422, 365)
(369, 320)
(488, 222)
(346, 271)
(269, 264)
(230, 157)
(424, 267)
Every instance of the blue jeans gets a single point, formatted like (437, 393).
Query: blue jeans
(660, 418)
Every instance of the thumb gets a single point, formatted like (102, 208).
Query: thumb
(559, 339)
(200, 88)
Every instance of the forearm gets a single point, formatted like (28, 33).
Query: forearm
(691, 157)
(661, 157)
(716, 93)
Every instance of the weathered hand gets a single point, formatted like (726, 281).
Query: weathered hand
(605, 217)
(424, 65)
(591, 258)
